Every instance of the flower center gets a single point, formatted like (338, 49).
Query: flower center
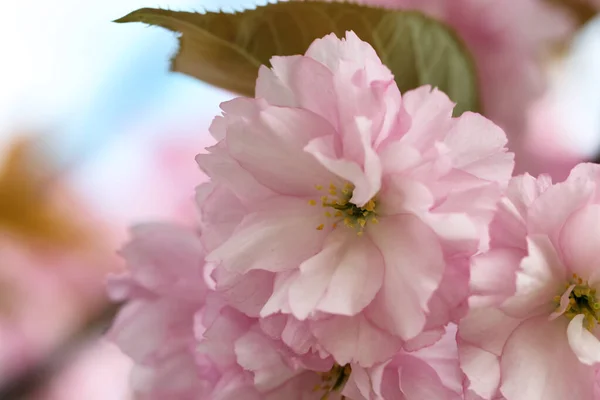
(334, 380)
(582, 300)
(340, 209)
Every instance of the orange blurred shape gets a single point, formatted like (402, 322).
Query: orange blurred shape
(28, 209)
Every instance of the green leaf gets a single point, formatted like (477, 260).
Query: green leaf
(226, 50)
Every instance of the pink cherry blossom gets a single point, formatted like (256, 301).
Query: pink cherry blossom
(338, 201)
(532, 332)
(505, 39)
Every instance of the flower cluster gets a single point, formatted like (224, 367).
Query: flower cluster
(359, 243)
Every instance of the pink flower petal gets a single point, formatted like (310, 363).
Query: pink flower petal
(482, 369)
(330, 50)
(443, 357)
(476, 145)
(399, 157)
(299, 82)
(401, 195)
(538, 364)
(309, 287)
(431, 112)
(493, 276)
(279, 300)
(255, 352)
(487, 328)
(355, 339)
(425, 339)
(540, 276)
(247, 293)
(552, 208)
(580, 241)
(271, 148)
(277, 239)
(220, 213)
(219, 164)
(366, 178)
(414, 266)
(356, 279)
(419, 381)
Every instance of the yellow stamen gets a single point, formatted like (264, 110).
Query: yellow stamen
(321, 227)
(327, 214)
(312, 202)
(319, 187)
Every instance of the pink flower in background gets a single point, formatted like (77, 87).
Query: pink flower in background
(338, 201)
(164, 288)
(533, 331)
(548, 147)
(55, 254)
(506, 39)
(98, 372)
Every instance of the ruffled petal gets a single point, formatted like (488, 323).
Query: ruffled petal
(414, 266)
(548, 214)
(270, 147)
(355, 340)
(477, 146)
(277, 239)
(299, 82)
(540, 275)
(356, 279)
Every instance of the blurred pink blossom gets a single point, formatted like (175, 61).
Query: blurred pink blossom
(48, 290)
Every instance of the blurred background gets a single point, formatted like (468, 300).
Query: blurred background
(97, 135)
